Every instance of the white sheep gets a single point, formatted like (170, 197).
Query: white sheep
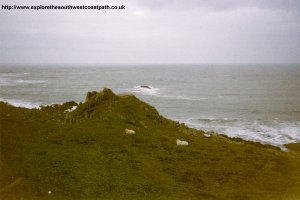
(206, 135)
(181, 143)
(129, 132)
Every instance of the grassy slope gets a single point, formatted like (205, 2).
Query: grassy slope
(93, 158)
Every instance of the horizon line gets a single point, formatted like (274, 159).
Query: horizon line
(137, 64)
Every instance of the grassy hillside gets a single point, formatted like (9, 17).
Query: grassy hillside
(85, 154)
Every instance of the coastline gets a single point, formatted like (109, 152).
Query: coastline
(30, 105)
(85, 153)
(253, 111)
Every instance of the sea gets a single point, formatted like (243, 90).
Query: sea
(258, 102)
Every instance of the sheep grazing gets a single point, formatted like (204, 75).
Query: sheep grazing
(129, 132)
(181, 143)
(206, 135)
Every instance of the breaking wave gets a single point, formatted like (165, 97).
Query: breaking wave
(20, 103)
(150, 90)
(273, 132)
(31, 81)
(145, 90)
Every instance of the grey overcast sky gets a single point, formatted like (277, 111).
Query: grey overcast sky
(152, 31)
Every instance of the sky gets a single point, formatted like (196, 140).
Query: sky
(151, 32)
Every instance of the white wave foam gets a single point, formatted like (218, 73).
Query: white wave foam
(20, 103)
(31, 81)
(273, 132)
(150, 90)
(71, 109)
(145, 90)
(12, 74)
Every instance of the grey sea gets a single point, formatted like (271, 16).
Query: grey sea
(254, 102)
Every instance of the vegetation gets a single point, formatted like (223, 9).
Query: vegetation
(49, 153)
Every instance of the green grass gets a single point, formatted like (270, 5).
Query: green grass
(87, 155)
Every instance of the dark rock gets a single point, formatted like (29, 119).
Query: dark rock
(146, 86)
